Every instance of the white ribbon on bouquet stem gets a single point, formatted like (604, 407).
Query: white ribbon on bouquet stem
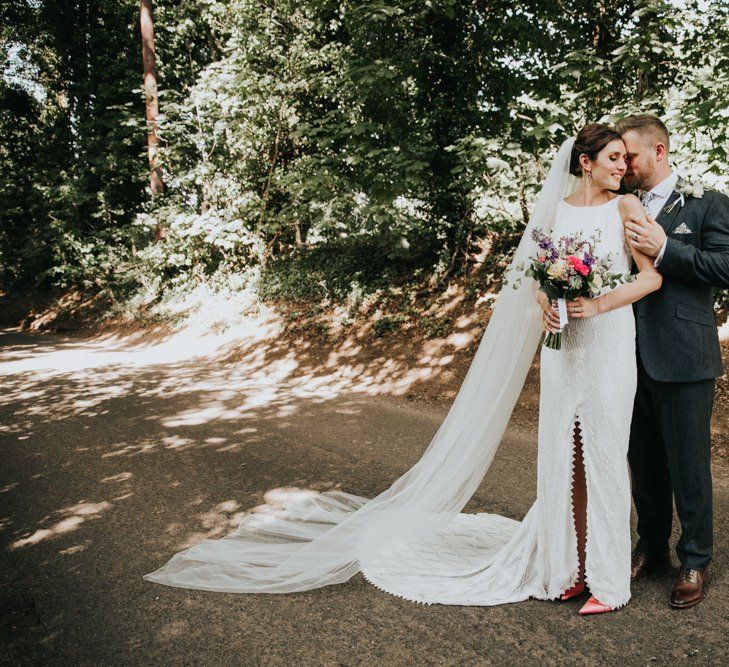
(562, 310)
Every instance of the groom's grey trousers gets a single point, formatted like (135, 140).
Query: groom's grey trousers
(670, 457)
(678, 360)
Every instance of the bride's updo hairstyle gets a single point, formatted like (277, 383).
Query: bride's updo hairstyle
(590, 140)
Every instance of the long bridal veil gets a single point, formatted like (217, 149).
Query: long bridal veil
(325, 538)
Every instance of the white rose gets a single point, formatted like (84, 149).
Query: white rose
(558, 269)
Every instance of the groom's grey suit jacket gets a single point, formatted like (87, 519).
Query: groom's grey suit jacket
(675, 327)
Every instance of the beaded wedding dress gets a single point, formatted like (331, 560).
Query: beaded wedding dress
(413, 540)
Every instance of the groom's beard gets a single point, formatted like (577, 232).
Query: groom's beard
(639, 181)
(634, 183)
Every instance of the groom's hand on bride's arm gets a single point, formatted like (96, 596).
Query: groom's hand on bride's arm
(647, 235)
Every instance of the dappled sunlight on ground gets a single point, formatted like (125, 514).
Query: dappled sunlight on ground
(94, 424)
(63, 521)
(108, 350)
(215, 522)
(230, 374)
(118, 455)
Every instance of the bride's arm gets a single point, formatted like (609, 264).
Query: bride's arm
(646, 281)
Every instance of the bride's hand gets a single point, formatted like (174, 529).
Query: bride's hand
(551, 314)
(581, 308)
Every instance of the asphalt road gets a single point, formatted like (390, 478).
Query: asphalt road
(113, 458)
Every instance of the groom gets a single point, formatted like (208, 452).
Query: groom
(678, 359)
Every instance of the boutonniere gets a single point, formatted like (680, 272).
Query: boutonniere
(685, 189)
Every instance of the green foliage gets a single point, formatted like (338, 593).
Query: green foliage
(69, 117)
(388, 323)
(339, 269)
(324, 149)
(434, 327)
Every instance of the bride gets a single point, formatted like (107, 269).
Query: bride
(412, 540)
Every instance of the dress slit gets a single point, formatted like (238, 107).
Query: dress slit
(577, 434)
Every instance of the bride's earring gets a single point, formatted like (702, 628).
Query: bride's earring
(589, 178)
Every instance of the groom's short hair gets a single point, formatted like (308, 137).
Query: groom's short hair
(645, 123)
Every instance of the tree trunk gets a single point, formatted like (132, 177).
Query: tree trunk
(152, 102)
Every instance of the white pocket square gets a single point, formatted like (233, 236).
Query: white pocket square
(682, 229)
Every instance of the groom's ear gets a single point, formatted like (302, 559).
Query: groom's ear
(661, 152)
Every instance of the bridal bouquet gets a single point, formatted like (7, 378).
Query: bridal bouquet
(567, 269)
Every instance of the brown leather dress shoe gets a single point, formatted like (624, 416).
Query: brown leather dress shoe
(641, 563)
(690, 588)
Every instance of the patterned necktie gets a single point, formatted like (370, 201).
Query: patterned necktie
(645, 199)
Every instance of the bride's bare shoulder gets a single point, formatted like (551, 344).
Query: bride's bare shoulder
(629, 204)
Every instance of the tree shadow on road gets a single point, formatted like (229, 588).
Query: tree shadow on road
(114, 460)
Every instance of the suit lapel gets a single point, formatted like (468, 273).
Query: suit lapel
(669, 220)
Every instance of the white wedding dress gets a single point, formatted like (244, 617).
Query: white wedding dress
(413, 540)
(485, 559)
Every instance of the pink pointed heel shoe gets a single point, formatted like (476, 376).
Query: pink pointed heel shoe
(577, 589)
(594, 606)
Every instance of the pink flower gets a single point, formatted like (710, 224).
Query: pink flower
(578, 265)
(541, 259)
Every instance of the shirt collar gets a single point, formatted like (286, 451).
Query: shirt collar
(666, 186)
